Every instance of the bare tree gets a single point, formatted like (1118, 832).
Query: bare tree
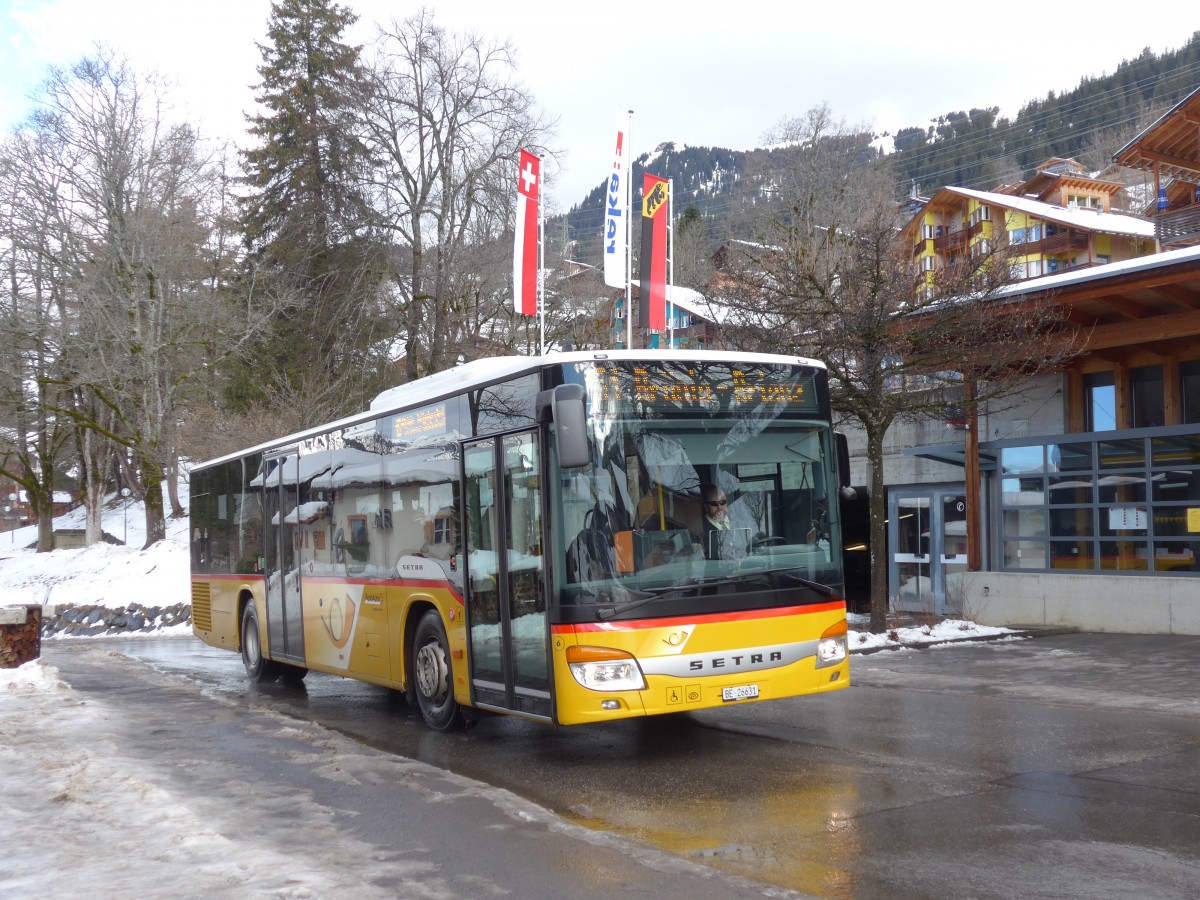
(830, 279)
(137, 254)
(445, 121)
(35, 372)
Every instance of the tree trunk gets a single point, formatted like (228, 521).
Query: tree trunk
(42, 503)
(93, 504)
(92, 494)
(177, 510)
(879, 561)
(152, 478)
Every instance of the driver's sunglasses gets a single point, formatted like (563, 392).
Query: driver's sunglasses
(717, 502)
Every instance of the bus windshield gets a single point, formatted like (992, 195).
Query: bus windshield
(707, 490)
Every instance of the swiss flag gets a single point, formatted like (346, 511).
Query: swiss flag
(525, 249)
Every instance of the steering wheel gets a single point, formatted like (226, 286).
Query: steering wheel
(764, 542)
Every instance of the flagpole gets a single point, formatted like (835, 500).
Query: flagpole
(541, 273)
(670, 263)
(629, 237)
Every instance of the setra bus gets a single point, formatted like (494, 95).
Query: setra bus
(526, 535)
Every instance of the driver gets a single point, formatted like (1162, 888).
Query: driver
(716, 524)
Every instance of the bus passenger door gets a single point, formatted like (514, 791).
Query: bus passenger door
(285, 629)
(506, 575)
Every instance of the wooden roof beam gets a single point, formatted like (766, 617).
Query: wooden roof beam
(1126, 307)
(1166, 159)
(1143, 331)
(1181, 297)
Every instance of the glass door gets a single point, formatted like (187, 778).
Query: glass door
(911, 584)
(952, 558)
(506, 574)
(285, 626)
(927, 529)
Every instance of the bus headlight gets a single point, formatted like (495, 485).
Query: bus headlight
(831, 648)
(605, 669)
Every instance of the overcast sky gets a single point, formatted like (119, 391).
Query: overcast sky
(698, 72)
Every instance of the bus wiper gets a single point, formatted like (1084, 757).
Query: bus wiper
(683, 590)
(670, 593)
(806, 582)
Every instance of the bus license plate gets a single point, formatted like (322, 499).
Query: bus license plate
(741, 692)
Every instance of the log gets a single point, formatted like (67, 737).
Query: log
(20, 635)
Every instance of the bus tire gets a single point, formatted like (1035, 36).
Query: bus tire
(433, 678)
(259, 669)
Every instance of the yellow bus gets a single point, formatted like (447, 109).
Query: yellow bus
(571, 538)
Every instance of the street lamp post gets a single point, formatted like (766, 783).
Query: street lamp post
(125, 509)
(11, 510)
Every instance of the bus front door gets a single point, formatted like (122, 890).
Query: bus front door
(285, 627)
(506, 598)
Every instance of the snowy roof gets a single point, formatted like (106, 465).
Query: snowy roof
(1074, 277)
(484, 372)
(1081, 219)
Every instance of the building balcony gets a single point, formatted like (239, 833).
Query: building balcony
(1180, 228)
(948, 243)
(1062, 242)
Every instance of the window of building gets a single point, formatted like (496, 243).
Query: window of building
(1146, 384)
(1107, 505)
(1189, 377)
(1100, 402)
(1033, 268)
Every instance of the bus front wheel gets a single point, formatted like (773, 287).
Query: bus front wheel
(432, 674)
(258, 668)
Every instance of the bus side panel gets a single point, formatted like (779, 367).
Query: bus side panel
(345, 628)
(360, 629)
(215, 618)
(688, 663)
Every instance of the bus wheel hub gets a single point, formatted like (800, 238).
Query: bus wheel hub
(432, 671)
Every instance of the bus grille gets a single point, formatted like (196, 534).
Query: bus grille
(202, 605)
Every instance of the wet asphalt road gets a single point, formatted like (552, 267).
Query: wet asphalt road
(1063, 766)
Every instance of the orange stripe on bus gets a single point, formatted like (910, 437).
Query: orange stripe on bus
(675, 621)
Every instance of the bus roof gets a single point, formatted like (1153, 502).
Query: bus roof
(482, 372)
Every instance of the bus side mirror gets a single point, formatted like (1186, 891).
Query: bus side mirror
(843, 466)
(567, 412)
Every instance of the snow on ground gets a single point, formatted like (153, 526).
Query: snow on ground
(105, 574)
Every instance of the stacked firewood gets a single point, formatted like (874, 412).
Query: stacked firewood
(20, 635)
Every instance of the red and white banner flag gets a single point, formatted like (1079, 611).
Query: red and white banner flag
(525, 248)
(653, 287)
(616, 212)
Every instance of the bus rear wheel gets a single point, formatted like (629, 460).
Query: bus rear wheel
(259, 669)
(432, 675)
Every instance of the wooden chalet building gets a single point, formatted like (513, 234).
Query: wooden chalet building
(1089, 512)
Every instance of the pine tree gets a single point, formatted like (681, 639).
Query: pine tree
(306, 221)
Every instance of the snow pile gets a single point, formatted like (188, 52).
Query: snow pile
(32, 678)
(944, 632)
